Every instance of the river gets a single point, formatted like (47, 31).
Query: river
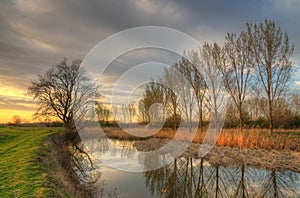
(185, 177)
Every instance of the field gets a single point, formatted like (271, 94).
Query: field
(21, 173)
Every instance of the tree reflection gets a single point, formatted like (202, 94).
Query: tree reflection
(241, 190)
(188, 177)
(281, 184)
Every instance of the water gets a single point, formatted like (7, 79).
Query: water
(188, 177)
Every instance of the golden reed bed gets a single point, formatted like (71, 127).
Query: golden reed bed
(249, 138)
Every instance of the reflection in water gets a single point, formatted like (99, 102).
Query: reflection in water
(189, 177)
(123, 156)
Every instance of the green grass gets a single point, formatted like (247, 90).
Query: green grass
(21, 173)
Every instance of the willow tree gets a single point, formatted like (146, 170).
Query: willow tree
(272, 53)
(62, 90)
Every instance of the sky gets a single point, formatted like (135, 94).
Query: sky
(37, 34)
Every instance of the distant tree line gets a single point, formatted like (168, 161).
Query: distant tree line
(256, 69)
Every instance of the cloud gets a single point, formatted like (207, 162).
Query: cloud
(38, 34)
(124, 76)
(16, 104)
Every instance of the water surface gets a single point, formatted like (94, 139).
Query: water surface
(189, 177)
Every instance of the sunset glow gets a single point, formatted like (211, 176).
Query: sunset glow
(14, 101)
(31, 42)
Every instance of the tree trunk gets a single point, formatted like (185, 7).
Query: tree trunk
(200, 119)
(270, 117)
(240, 119)
(70, 132)
(243, 181)
(273, 175)
(175, 119)
(217, 182)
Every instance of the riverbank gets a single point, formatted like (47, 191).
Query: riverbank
(280, 151)
(35, 163)
(281, 140)
(22, 172)
(230, 156)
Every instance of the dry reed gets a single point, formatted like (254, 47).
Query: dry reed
(248, 138)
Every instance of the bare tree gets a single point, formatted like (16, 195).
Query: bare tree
(172, 103)
(154, 93)
(132, 111)
(103, 112)
(272, 52)
(142, 114)
(62, 90)
(237, 68)
(296, 103)
(125, 114)
(211, 58)
(189, 68)
(188, 104)
(16, 119)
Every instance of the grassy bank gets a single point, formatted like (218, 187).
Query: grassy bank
(21, 173)
(250, 138)
(35, 162)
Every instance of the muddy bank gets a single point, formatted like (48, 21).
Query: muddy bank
(227, 156)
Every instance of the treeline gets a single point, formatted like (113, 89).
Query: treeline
(285, 111)
(253, 67)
